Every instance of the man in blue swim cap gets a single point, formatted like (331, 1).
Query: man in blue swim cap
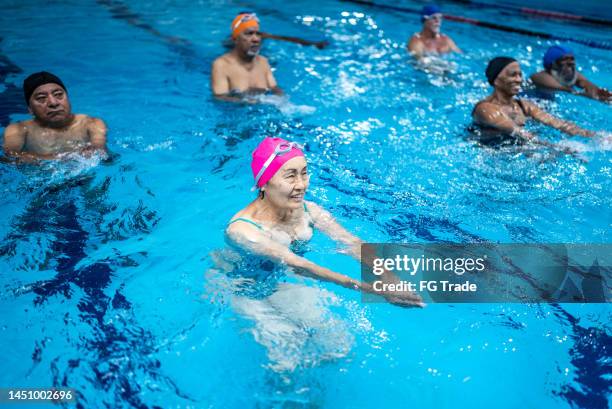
(560, 74)
(430, 40)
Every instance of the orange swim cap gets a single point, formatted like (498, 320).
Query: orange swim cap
(242, 22)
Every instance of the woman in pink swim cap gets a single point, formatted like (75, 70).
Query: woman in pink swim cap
(280, 216)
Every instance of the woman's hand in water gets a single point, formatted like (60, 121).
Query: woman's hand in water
(399, 298)
(404, 299)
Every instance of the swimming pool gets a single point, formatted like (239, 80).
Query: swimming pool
(107, 284)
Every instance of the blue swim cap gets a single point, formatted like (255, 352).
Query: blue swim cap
(554, 53)
(428, 10)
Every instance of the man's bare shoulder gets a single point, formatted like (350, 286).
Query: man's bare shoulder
(415, 38)
(20, 127)
(446, 39)
(262, 60)
(545, 80)
(89, 120)
(95, 124)
(415, 44)
(223, 61)
(541, 75)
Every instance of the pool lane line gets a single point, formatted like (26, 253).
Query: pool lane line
(538, 12)
(180, 45)
(486, 24)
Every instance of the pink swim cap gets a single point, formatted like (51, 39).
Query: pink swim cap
(270, 155)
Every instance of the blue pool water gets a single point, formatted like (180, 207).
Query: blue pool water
(107, 278)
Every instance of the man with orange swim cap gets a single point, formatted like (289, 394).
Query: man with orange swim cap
(242, 71)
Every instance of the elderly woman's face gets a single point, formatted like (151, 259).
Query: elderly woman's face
(287, 187)
(510, 79)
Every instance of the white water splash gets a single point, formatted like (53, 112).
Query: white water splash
(69, 165)
(434, 64)
(283, 104)
(296, 326)
(603, 141)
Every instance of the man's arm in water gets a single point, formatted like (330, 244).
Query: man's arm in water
(453, 47)
(219, 82)
(14, 139)
(96, 128)
(319, 44)
(415, 46)
(545, 80)
(252, 239)
(593, 91)
(557, 123)
(14, 142)
(270, 80)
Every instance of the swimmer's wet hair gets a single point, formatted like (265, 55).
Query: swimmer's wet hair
(36, 80)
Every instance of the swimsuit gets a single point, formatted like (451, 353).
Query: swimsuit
(265, 273)
(491, 136)
(297, 246)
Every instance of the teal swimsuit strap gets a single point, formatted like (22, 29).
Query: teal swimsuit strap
(242, 219)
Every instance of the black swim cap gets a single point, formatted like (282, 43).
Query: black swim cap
(36, 80)
(496, 65)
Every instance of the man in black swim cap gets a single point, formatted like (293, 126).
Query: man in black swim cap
(504, 112)
(54, 129)
(560, 74)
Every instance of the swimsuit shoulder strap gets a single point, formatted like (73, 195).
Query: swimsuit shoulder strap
(520, 103)
(242, 219)
(305, 208)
